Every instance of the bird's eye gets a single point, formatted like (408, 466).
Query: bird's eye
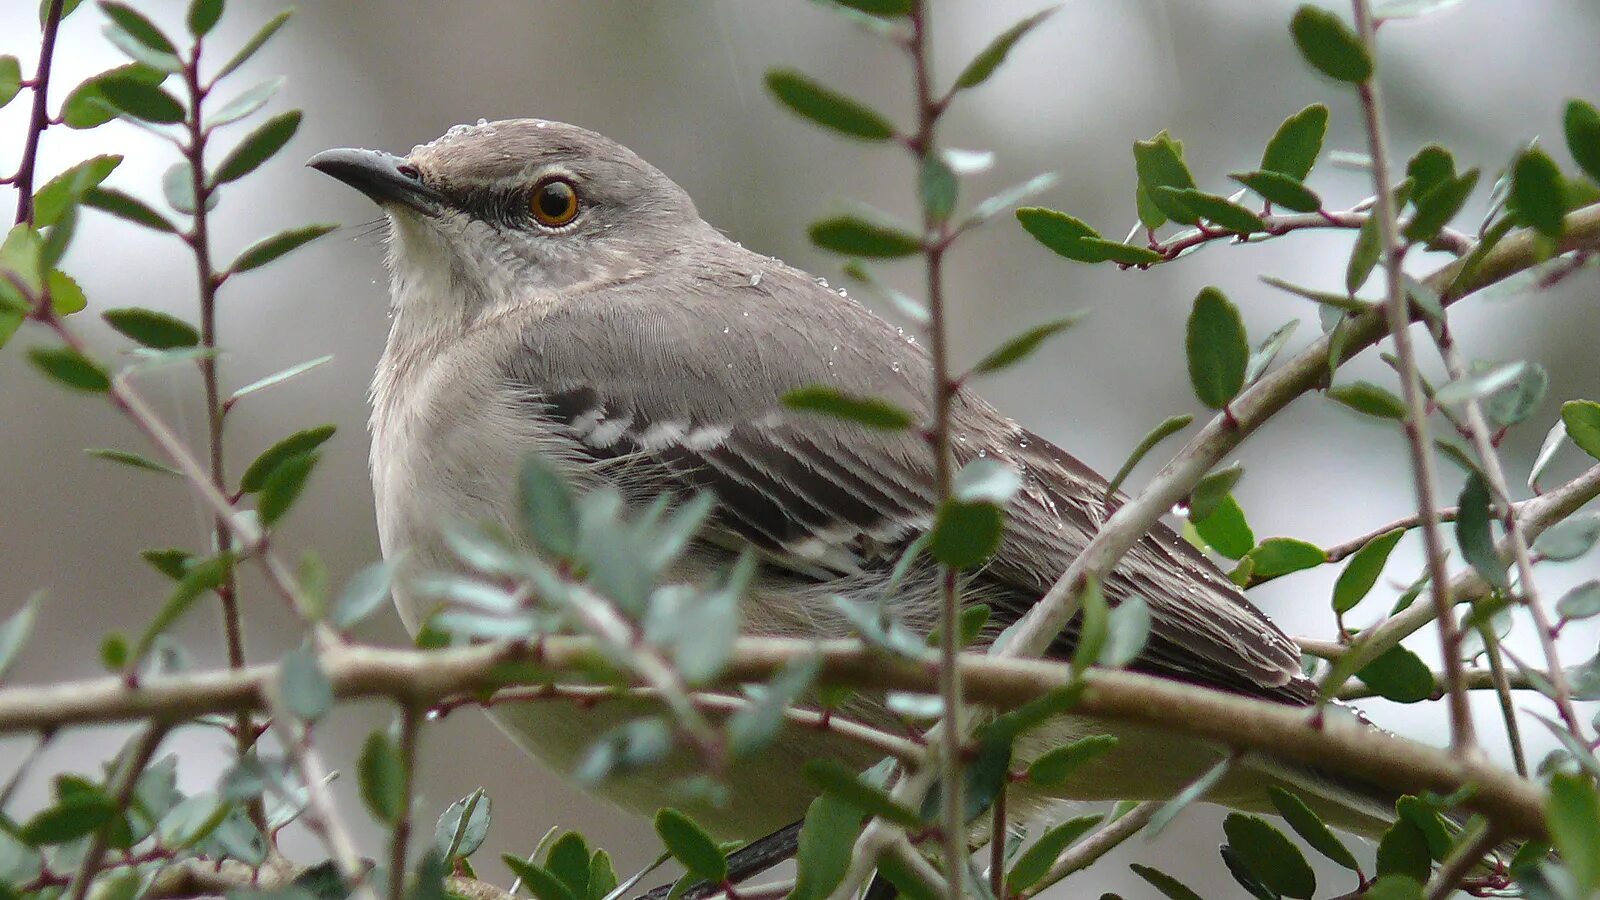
(555, 202)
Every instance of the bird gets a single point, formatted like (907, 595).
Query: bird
(554, 294)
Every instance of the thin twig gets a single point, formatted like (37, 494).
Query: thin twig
(322, 813)
(1469, 852)
(199, 240)
(1396, 305)
(39, 117)
(1472, 680)
(410, 725)
(945, 388)
(1494, 477)
(121, 790)
(1087, 851)
(1448, 240)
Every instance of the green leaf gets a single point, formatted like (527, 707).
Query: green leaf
(1127, 630)
(937, 188)
(1364, 256)
(869, 411)
(1329, 45)
(76, 814)
(1092, 628)
(1582, 125)
(1269, 350)
(153, 329)
(1219, 211)
(753, 727)
(1430, 168)
(277, 378)
(1054, 766)
(463, 826)
(1369, 399)
(1281, 189)
(989, 59)
(304, 688)
(1075, 240)
(203, 16)
(1271, 856)
(382, 777)
(602, 876)
(1569, 539)
(363, 593)
(537, 879)
(1226, 530)
(878, 7)
(986, 481)
(1169, 887)
(139, 99)
(690, 845)
(251, 46)
(134, 460)
(1311, 828)
(1403, 851)
(86, 106)
(15, 631)
(827, 838)
(827, 107)
(1019, 347)
(1582, 418)
(1217, 348)
(1515, 402)
(966, 534)
(283, 487)
(246, 103)
(1582, 602)
(1362, 571)
(1399, 675)
(1168, 427)
(1484, 380)
(171, 562)
(871, 238)
(256, 476)
(568, 860)
(138, 27)
(549, 512)
(127, 207)
(1293, 149)
(10, 79)
(1159, 163)
(1035, 861)
(1193, 791)
(1210, 490)
(177, 186)
(1436, 207)
(833, 777)
(68, 367)
(1473, 533)
(269, 249)
(1573, 814)
(1538, 193)
(257, 147)
(1280, 556)
(64, 191)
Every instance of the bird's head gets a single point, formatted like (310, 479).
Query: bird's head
(513, 211)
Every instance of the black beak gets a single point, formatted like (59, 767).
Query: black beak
(383, 177)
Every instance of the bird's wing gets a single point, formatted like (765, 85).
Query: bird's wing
(674, 384)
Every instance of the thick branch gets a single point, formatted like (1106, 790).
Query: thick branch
(420, 677)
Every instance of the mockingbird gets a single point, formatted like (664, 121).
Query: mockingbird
(553, 293)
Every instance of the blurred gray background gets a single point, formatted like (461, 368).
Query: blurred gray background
(680, 83)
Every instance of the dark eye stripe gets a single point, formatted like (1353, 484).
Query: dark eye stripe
(504, 208)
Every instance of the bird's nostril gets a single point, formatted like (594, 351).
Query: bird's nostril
(409, 171)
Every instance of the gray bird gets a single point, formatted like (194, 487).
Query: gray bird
(554, 294)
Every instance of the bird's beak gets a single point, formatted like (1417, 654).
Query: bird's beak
(383, 177)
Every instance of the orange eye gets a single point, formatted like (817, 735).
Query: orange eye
(554, 203)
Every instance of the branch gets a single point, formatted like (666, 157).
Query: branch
(427, 677)
(1396, 307)
(1086, 852)
(1472, 680)
(1250, 410)
(39, 118)
(1448, 240)
(1536, 515)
